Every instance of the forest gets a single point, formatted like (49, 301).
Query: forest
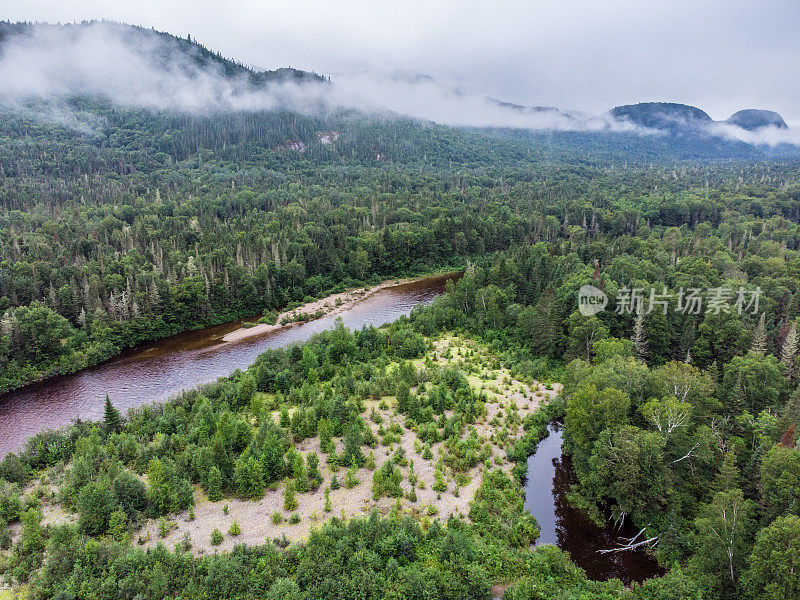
(120, 225)
(684, 424)
(170, 222)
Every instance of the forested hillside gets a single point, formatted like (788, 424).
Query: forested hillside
(150, 224)
(389, 462)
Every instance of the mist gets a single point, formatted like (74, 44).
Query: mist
(138, 68)
(764, 136)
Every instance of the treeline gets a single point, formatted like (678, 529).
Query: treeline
(677, 434)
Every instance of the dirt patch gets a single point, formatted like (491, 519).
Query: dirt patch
(508, 402)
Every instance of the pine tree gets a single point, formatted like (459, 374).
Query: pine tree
(328, 507)
(214, 484)
(759, 343)
(639, 337)
(111, 418)
(350, 479)
(789, 351)
(290, 496)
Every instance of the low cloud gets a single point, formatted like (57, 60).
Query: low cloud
(138, 68)
(425, 98)
(43, 67)
(763, 136)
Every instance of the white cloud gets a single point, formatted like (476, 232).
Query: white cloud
(138, 68)
(589, 55)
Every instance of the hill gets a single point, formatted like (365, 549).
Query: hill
(158, 49)
(669, 116)
(752, 119)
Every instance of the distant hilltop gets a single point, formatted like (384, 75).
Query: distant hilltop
(683, 118)
(752, 119)
(661, 115)
(159, 49)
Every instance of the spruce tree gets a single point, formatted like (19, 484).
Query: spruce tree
(111, 418)
(759, 343)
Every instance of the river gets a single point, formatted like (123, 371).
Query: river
(549, 478)
(156, 371)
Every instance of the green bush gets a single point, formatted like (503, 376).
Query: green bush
(216, 537)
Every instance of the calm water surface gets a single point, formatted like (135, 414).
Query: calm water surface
(550, 476)
(156, 371)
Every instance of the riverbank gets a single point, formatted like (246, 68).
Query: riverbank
(157, 371)
(330, 305)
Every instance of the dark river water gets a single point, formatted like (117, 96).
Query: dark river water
(156, 371)
(550, 476)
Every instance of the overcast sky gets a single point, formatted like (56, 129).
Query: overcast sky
(585, 55)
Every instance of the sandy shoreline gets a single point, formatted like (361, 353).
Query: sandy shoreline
(330, 305)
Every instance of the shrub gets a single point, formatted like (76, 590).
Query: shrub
(234, 528)
(290, 496)
(277, 517)
(216, 537)
(130, 492)
(386, 481)
(118, 526)
(96, 502)
(314, 476)
(164, 527)
(249, 477)
(439, 485)
(294, 519)
(350, 479)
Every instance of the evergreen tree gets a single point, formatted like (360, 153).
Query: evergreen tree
(111, 418)
(214, 484)
(290, 496)
(759, 343)
(789, 351)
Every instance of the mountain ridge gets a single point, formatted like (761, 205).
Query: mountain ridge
(654, 129)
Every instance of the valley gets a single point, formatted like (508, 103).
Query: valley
(267, 334)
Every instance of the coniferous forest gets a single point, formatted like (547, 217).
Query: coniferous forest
(679, 403)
